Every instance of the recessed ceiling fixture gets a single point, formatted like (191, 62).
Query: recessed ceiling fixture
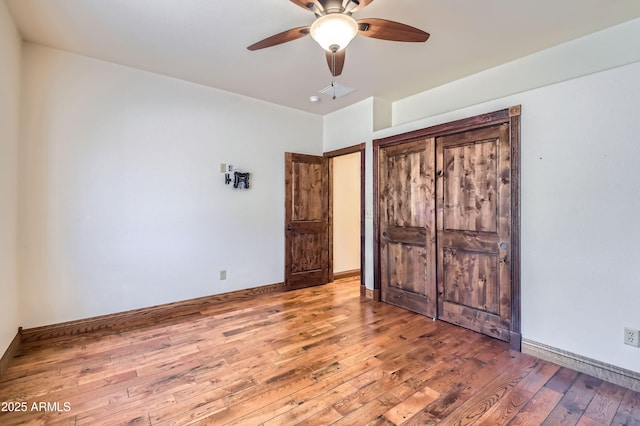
(334, 28)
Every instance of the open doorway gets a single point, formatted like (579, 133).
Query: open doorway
(346, 212)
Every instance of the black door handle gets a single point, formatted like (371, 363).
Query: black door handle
(289, 227)
(384, 234)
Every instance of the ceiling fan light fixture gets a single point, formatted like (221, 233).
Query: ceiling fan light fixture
(334, 31)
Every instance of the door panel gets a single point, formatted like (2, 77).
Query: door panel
(306, 221)
(306, 189)
(305, 250)
(466, 276)
(469, 189)
(407, 273)
(473, 207)
(407, 226)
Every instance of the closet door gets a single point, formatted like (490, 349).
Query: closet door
(407, 226)
(474, 230)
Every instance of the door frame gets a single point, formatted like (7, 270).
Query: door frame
(361, 148)
(509, 116)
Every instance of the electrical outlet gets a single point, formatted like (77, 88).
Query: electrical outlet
(632, 337)
(223, 274)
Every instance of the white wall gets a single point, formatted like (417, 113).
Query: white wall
(613, 47)
(580, 198)
(10, 47)
(349, 126)
(346, 212)
(123, 204)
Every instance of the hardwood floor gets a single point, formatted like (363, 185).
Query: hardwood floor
(314, 356)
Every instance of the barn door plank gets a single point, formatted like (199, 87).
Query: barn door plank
(407, 226)
(474, 230)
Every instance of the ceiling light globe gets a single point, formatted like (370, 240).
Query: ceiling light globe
(333, 32)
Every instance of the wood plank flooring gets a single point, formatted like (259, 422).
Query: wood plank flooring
(315, 356)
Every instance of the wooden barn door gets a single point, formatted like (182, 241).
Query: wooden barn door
(306, 221)
(473, 193)
(407, 226)
(447, 220)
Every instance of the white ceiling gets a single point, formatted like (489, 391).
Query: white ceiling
(204, 41)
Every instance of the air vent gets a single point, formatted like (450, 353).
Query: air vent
(336, 90)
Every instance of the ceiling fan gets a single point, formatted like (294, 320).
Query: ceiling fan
(334, 28)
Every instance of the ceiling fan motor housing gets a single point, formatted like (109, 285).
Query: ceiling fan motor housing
(324, 7)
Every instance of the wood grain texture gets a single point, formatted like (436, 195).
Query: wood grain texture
(283, 37)
(330, 273)
(306, 220)
(390, 30)
(457, 126)
(516, 299)
(473, 193)
(345, 151)
(470, 187)
(142, 317)
(11, 351)
(510, 330)
(407, 226)
(378, 146)
(346, 274)
(465, 276)
(307, 189)
(316, 356)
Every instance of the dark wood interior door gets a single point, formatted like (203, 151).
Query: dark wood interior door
(306, 221)
(407, 226)
(474, 230)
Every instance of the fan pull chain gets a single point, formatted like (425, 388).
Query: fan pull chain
(333, 74)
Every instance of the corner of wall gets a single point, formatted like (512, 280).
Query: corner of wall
(10, 72)
(382, 114)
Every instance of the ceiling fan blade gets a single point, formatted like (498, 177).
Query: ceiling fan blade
(336, 62)
(308, 4)
(362, 5)
(283, 37)
(390, 30)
